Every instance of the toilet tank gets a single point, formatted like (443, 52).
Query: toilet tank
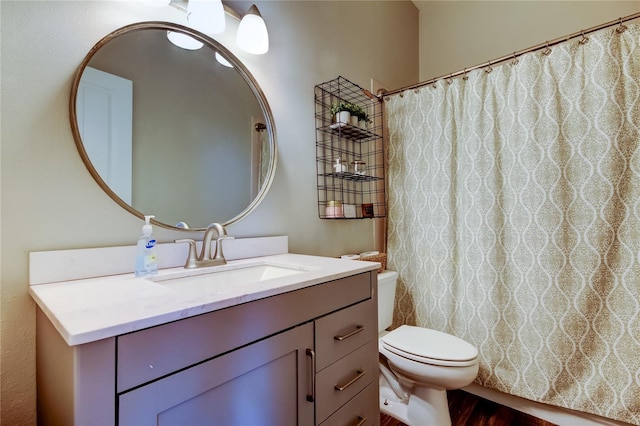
(386, 298)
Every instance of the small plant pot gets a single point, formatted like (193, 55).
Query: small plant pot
(343, 117)
(354, 120)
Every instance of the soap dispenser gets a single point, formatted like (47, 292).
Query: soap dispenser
(146, 258)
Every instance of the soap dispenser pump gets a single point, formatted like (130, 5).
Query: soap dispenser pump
(146, 257)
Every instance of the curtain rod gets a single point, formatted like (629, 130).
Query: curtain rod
(545, 47)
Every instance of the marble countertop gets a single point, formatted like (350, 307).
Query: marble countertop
(87, 310)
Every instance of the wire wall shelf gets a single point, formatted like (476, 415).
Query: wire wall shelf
(349, 154)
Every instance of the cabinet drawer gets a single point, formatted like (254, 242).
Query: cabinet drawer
(362, 410)
(148, 354)
(341, 381)
(344, 331)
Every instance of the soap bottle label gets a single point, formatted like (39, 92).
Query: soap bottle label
(150, 261)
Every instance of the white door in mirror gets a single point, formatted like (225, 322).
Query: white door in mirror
(104, 108)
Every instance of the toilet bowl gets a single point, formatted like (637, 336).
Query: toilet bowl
(418, 365)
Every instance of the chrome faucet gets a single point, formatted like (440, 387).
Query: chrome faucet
(206, 258)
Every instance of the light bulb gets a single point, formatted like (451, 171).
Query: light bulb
(252, 34)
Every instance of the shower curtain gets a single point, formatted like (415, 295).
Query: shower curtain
(514, 220)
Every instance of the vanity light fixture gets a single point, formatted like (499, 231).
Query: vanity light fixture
(252, 34)
(207, 16)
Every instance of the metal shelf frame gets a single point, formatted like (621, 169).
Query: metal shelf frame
(365, 191)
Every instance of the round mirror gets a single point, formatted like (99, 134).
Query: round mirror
(185, 135)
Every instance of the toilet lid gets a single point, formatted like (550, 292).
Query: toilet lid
(430, 346)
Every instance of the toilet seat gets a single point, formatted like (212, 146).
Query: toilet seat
(429, 346)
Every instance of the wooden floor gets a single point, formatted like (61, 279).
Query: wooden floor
(469, 410)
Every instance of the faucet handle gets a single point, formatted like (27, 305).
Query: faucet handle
(191, 257)
(219, 254)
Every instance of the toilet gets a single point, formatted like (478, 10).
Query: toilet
(418, 365)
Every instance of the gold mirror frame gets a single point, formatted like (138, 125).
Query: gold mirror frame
(215, 46)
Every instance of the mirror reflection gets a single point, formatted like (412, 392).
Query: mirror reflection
(173, 132)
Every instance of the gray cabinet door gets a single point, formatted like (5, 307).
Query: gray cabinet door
(265, 383)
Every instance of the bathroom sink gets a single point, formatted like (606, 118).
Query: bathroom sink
(228, 277)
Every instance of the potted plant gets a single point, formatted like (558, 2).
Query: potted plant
(342, 111)
(363, 118)
(355, 111)
(347, 112)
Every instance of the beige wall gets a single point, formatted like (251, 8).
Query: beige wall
(459, 34)
(49, 201)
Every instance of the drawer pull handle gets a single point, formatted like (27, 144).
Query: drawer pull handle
(350, 382)
(312, 355)
(358, 329)
(362, 421)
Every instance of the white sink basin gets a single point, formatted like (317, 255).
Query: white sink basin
(228, 277)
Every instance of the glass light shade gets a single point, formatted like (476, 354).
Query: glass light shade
(206, 16)
(252, 34)
(184, 41)
(223, 61)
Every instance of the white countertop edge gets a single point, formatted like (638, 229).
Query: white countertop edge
(68, 305)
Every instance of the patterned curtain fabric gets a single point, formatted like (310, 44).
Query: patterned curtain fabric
(514, 220)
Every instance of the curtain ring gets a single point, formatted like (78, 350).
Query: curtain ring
(450, 79)
(515, 59)
(489, 68)
(435, 84)
(465, 77)
(584, 39)
(621, 27)
(547, 49)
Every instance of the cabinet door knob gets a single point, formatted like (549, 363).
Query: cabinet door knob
(358, 329)
(359, 375)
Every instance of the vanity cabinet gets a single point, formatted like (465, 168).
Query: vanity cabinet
(303, 357)
(349, 156)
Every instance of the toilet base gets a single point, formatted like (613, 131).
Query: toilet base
(426, 406)
(391, 405)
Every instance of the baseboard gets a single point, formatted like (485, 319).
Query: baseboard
(550, 413)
